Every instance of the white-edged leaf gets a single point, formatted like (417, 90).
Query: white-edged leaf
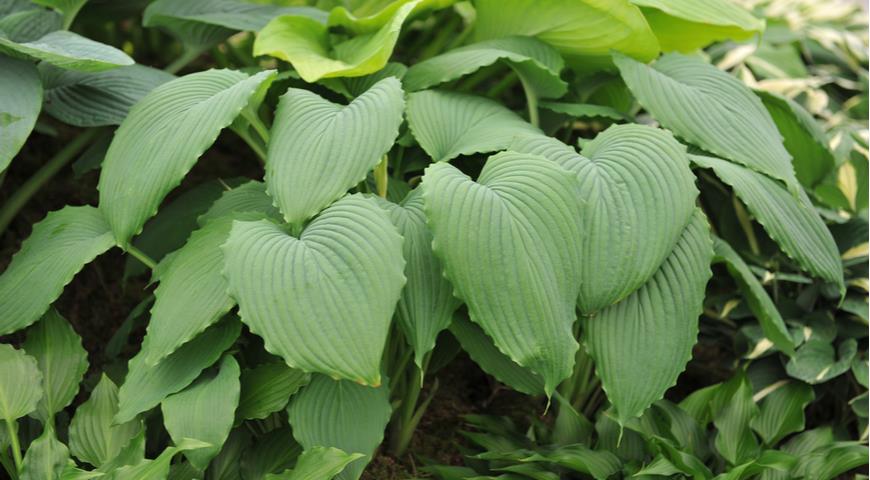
(163, 136)
(59, 246)
(687, 25)
(67, 50)
(20, 103)
(266, 389)
(20, 383)
(93, 436)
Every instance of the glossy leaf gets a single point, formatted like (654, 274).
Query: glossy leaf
(687, 25)
(781, 412)
(20, 383)
(46, 457)
(93, 436)
(266, 388)
(163, 136)
(318, 463)
(20, 103)
(67, 50)
(816, 362)
(25, 21)
(579, 458)
(532, 212)
(59, 246)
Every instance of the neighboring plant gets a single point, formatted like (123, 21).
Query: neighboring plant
(404, 201)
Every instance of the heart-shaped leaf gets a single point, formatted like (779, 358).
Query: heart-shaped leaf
(20, 102)
(67, 50)
(94, 437)
(323, 301)
(687, 25)
(519, 221)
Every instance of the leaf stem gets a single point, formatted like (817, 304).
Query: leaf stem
(187, 56)
(382, 178)
(16, 448)
(532, 102)
(35, 183)
(141, 256)
(256, 122)
(252, 142)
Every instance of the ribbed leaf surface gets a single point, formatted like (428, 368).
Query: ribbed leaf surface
(26, 22)
(583, 110)
(733, 411)
(204, 411)
(368, 16)
(687, 25)
(46, 457)
(20, 102)
(62, 360)
(67, 50)
(266, 389)
(323, 301)
(448, 124)
(641, 344)
(711, 109)
(519, 221)
(536, 62)
(93, 436)
(781, 412)
(792, 223)
(20, 383)
(163, 136)
(59, 246)
(319, 149)
(248, 197)
(318, 463)
(342, 415)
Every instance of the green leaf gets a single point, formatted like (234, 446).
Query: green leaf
(46, 457)
(273, 452)
(20, 383)
(449, 124)
(642, 344)
(24, 21)
(266, 389)
(781, 412)
(833, 460)
(248, 197)
(579, 458)
(733, 410)
(792, 222)
(343, 415)
(756, 297)
(815, 361)
(204, 411)
(711, 109)
(145, 386)
(163, 136)
(92, 99)
(318, 463)
(59, 246)
(67, 50)
(531, 209)
(483, 351)
(768, 461)
(93, 436)
(585, 31)
(157, 469)
(427, 303)
(322, 301)
(319, 149)
(305, 43)
(62, 360)
(583, 110)
(227, 464)
(535, 62)
(68, 8)
(370, 15)
(687, 25)
(19, 106)
(639, 195)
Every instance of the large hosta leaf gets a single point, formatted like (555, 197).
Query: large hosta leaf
(62, 360)
(20, 383)
(370, 15)
(266, 389)
(87, 99)
(305, 43)
(792, 223)
(322, 301)
(641, 344)
(519, 221)
(687, 25)
(246, 198)
(449, 124)
(60, 245)
(46, 457)
(20, 102)
(319, 149)
(639, 194)
(537, 63)
(318, 463)
(163, 136)
(341, 414)
(23, 21)
(585, 31)
(427, 303)
(67, 50)
(711, 109)
(94, 437)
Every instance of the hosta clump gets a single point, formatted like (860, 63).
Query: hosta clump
(566, 246)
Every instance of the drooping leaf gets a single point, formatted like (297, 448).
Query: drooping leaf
(46, 457)
(322, 301)
(769, 461)
(584, 31)
(266, 389)
(319, 149)
(449, 124)
(687, 25)
(20, 383)
(427, 303)
(204, 411)
(733, 409)
(537, 63)
(639, 194)
(532, 217)
(145, 386)
(93, 436)
(828, 462)
(20, 103)
(62, 360)
(92, 99)
(641, 344)
(370, 15)
(305, 43)
(163, 136)
(343, 415)
(157, 469)
(816, 362)
(579, 458)
(318, 463)
(67, 50)
(756, 297)
(792, 223)
(781, 412)
(59, 246)
(711, 109)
